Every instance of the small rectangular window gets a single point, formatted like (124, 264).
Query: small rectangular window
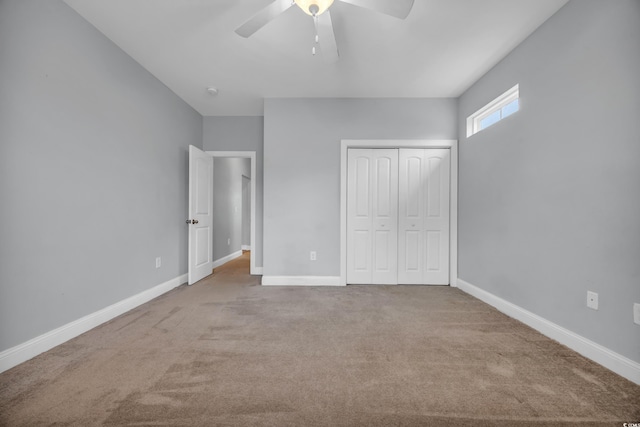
(510, 108)
(489, 120)
(501, 107)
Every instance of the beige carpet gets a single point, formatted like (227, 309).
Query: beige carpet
(229, 352)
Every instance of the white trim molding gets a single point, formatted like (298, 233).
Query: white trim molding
(301, 281)
(451, 144)
(609, 359)
(217, 263)
(30, 349)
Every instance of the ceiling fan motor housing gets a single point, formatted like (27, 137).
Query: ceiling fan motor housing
(314, 7)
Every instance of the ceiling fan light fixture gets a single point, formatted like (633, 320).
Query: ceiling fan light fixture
(314, 7)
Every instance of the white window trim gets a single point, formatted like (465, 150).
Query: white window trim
(473, 121)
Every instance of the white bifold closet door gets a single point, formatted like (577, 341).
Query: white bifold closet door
(372, 216)
(398, 216)
(423, 223)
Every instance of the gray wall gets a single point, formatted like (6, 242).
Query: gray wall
(548, 203)
(93, 171)
(227, 204)
(240, 134)
(302, 169)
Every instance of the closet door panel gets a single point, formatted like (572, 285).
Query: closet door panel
(359, 216)
(437, 173)
(385, 216)
(411, 214)
(423, 255)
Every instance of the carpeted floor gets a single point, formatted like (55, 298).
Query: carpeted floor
(229, 352)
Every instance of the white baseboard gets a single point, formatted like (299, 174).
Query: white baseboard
(257, 271)
(609, 359)
(225, 259)
(30, 349)
(246, 247)
(301, 281)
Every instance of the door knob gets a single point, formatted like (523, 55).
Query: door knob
(192, 221)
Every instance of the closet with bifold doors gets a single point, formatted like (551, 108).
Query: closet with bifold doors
(398, 216)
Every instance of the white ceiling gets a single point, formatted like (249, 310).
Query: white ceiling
(438, 51)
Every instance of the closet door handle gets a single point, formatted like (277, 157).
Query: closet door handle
(192, 221)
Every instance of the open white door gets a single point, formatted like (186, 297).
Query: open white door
(200, 214)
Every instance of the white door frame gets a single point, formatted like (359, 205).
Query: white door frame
(452, 144)
(246, 155)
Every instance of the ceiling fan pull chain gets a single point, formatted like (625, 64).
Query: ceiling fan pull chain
(317, 38)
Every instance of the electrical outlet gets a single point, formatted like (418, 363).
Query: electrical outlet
(228, 241)
(592, 300)
(312, 255)
(636, 313)
(158, 262)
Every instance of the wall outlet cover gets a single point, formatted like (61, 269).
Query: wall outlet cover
(592, 300)
(636, 313)
(158, 262)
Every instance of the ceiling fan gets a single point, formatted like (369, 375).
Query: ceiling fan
(319, 10)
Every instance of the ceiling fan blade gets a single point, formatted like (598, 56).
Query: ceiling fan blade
(263, 17)
(398, 8)
(326, 37)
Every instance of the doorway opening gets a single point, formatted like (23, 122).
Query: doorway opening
(239, 207)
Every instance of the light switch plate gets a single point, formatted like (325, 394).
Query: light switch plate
(636, 313)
